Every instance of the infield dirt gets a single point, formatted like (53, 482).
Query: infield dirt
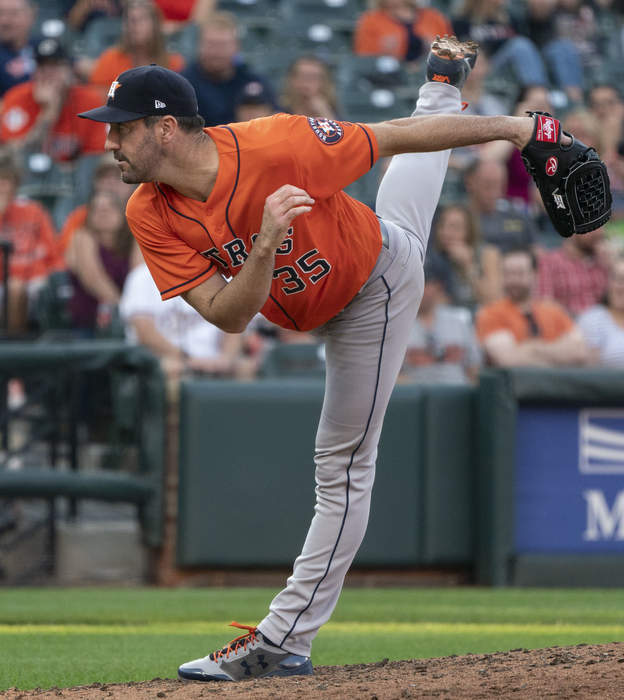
(581, 671)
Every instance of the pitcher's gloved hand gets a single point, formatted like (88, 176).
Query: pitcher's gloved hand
(572, 180)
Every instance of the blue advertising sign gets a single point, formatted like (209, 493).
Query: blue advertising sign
(569, 480)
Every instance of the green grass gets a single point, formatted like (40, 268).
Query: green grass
(64, 637)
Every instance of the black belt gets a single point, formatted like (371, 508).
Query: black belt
(385, 241)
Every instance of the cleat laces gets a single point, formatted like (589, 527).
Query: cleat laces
(239, 643)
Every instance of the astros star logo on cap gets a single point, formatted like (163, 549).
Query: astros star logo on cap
(113, 87)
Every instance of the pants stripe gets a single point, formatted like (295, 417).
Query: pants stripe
(370, 416)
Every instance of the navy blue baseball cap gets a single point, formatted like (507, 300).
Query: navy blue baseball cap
(50, 50)
(146, 91)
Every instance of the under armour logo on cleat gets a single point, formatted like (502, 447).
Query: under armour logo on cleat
(248, 667)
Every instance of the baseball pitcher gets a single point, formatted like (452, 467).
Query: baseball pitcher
(261, 204)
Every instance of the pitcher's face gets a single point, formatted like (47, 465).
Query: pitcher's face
(135, 149)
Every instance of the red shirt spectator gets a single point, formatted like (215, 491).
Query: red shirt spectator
(27, 226)
(176, 10)
(42, 114)
(70, 137)
(575, 275)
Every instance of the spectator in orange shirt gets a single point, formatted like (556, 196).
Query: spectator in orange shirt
(521, 331)
(398, 28)
(142, 42)
(41, 115)
(28, 228)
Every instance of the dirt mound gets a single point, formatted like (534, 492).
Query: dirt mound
(582, 671)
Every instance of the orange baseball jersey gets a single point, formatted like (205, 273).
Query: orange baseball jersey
(503, 315)
(378, 33)
(29, 227)
(114, 61)
(70, 137)
(327, 254)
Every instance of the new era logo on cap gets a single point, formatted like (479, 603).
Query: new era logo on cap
(159, 105)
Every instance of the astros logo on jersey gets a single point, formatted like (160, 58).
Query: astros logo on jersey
(112, 89)
(327, 130)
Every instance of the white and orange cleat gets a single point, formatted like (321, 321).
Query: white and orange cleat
(249, 656)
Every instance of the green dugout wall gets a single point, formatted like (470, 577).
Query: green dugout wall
(522, 478)
(246, 490)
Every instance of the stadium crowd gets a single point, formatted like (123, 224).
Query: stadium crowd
(502, 288)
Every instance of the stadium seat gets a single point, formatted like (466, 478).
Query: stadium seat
(294, 360)
(318, 37)
(371, 72)
(52, 305)
(184, 41)
(49, 20)
(59, 187)
(48, 183)
(375, 105)
(251, 11)
(100, 34)
(339, 14)
(444, 6)
(272, 64)
(258, 38)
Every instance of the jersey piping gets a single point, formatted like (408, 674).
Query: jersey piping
(357, 447)
(227, 218)
(185, 216)
(182, 284)
(238, 164)
(370, 145)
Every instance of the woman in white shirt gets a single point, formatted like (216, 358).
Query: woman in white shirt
(603, 325)
(177, 334)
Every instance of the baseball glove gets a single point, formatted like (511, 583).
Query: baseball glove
(572, 180)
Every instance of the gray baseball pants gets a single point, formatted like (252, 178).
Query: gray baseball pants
(365, 345)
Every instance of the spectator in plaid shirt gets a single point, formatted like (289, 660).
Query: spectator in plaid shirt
(575, 274)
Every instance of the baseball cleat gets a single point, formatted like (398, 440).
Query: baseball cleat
(451, 60)
(249, 656)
